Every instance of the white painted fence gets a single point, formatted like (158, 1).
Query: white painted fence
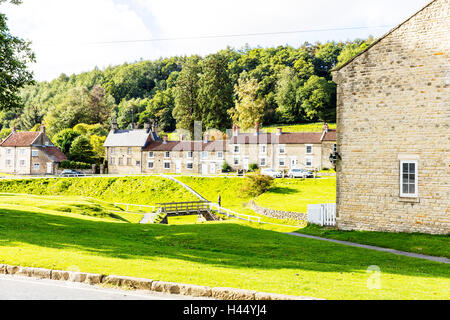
(322, 214)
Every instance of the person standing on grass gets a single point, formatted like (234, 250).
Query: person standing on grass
(219, 200)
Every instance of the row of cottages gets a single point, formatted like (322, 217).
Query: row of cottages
(393, 115)
(143, 151)
(29, 153)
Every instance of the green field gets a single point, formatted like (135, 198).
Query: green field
(308, 127)
(232, 254)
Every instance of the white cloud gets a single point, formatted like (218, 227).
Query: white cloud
(60, 29)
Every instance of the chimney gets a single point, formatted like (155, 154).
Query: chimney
(325, 127)
(114, 125)
(42, 128)
(147, 127)
(14, 129)
(236, 130)
(280, 131)
(165, 139)
(256, 129)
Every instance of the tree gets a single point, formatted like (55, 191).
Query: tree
(249, 108)
(160, 109)
(64, 139)
(352, 49)
(81, 150)
(100, 105)
(317, 99)
(97, 146)
(15, 54)
(286, 92)
(215, 92)
(31, 116)
(187, 109)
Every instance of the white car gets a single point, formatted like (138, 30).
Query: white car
(299, 173)
(271, 172)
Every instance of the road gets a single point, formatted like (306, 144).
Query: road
(23, 288)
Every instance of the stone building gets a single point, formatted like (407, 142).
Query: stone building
(393, 114)
(29, 153)
(142, 151)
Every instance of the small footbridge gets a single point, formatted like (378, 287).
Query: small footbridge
(162, 211)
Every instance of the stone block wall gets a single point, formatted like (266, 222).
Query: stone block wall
(393, 103)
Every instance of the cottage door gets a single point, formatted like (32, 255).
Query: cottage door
(49, 168)
(212, 167)
(245, 165)
(293, 162)
(178, 167)
(204, 168)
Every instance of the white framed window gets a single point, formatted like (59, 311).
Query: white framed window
(129, 150)
(120, 161)
(308, 161)
(113, 150)
(166, 164)
(236, 148)
(8, 163)
(220, 154)
(262, 162)
(8, 151)
(262, 149)
(34, 153)
(282, 149)
(309, 149)
(150, 165)
(167, 154)
(138, 163)
(112, 161)
(190, 165)
(22, 151)
(190, 154)
(204, 154)
(22, 163)
(128, 161)
(151, 155)
(282, 162)
(36, 166)
(409, 178)
(236, 161)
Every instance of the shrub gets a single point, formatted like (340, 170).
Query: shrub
(81, 150)
(253, 167)
(226, 167)
(256, 184)
(66, 164)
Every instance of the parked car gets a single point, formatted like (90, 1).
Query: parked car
(300, 173)
(70, 172)
(271, 172)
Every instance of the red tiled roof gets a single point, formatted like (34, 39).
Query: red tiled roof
(20, 139)
(331, 135)
(273, 138)
(219, 145)
(53, 153)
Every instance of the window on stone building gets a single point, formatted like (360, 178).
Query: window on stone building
(8, 151)
(282, 162)
(129, 150)
(120, 161)
(190, 165)
(167, 154)
(190, 154)
(151, 154)
(220, 154)
(235, 149)
(309, 149)
(409, 178)
(113, 150)
(138, 163)
(262, 162)
(204, 154)
(8, 163)
(36, 166)
(128, 161)
(150, 165)
(308, 161)
(263, 149)
(166, 165)
(111, 161)
(34, 153)
(236, 161)
(282, 149)
(22, 163)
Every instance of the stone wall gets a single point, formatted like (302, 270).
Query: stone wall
(393, 103)
(278, 214)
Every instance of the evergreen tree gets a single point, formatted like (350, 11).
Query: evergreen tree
(81, 150)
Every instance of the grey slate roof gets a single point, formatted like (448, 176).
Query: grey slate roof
(128, 138)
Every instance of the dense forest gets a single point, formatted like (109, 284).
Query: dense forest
(266, 85)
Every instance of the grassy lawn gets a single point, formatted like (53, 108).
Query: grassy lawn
(295, 195)
(435, 245)
(227, 253)
(308, 127)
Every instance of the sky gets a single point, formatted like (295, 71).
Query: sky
(73, 36)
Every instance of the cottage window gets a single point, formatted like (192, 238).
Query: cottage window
(113, 150)
(204, 154)
(138, 163)
(111, 161)
(262, 162)
(22, 151)
(34, 153)
(282, 162)
(8, 163)
(150, 154)
(120, 161)
(409, 178)
(282, 149)
(236, 161)
(128, 161)
(22, 163)
(190, 154)
(309, 149)
(150, 165)
(167, 154)
(129, 150)
(220, 154)
(308, 161)
(8, 151)
(263, 149)
(236, 149)
(36, 166)
(190, 165)
(166, 165)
